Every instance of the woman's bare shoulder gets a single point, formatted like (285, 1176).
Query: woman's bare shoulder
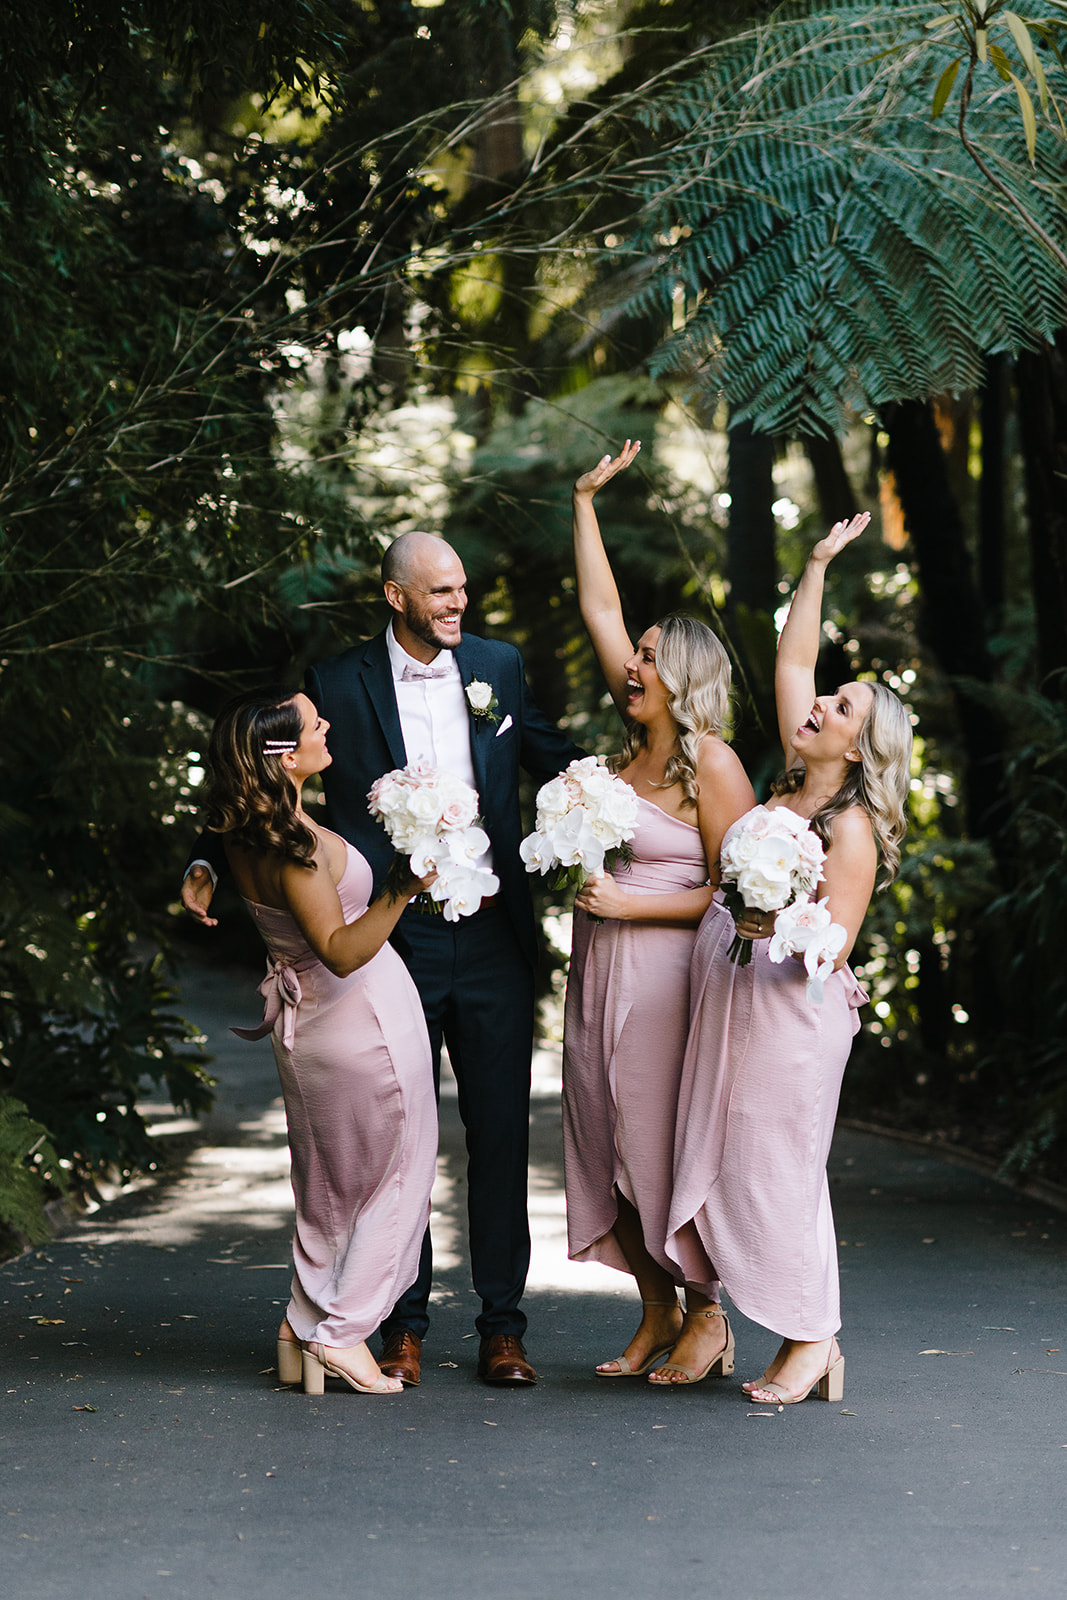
(853, 833)
(716, 759)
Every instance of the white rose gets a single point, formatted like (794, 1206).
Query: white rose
(479, 695)
(619, 807)
(584, 765)
(553, 802)
(765, 885)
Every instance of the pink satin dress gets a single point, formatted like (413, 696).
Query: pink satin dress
(354, 1062)
(626, 1020)
(756, 1111)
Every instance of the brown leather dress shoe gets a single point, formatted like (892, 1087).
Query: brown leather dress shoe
(401, 1357)
(503, 1360)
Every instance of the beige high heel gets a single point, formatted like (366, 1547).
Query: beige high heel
(628, 1371)
(317, 1368)
(290, 1364)
(719, 1366)
(830, 1384)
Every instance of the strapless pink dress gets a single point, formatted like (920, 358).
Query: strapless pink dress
(756, 1110)
(354, 1061)
(627, 1015)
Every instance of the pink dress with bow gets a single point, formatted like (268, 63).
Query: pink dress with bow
(354, 1061)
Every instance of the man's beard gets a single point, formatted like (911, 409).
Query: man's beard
(422, 627)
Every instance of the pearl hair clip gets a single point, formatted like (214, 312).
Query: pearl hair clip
(279, 747)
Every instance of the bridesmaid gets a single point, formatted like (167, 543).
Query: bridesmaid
(764, 1065)
(348, 1035)
(627, 1003)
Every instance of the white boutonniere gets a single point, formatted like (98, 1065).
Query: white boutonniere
(482, 701)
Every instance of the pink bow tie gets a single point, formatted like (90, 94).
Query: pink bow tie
(416, 674)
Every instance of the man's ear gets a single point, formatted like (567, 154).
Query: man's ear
(394, 594)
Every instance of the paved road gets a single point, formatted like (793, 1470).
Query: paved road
(148, 1453)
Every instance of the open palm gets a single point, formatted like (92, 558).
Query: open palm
(606, 468)
(841, 534)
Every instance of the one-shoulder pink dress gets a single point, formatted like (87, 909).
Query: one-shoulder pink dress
(354, 1061)
(627, 1013)
(756, 1110)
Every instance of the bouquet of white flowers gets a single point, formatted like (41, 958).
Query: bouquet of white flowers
(805, 929)
(773, 863)
(431, 819)
(581, 815)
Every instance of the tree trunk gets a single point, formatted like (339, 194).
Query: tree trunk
(837, 500)
(1043, 431)
(991, 518)
(952, 625)
(752, 575)
(951, 620)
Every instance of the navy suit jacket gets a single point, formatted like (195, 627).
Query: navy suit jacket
(354, 692)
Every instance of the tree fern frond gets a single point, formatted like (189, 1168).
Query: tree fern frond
(838, 246)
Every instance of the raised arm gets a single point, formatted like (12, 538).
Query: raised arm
(798, 647)
(598, 596)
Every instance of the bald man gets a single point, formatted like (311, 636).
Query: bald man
(402, 696)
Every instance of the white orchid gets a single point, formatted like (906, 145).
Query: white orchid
(806, 929)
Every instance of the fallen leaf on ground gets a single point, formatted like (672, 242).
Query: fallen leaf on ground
(85, 1408)
(946, 1352)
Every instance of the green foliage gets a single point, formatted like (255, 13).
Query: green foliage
(836, 244)
(29, 1171)
(136, 430)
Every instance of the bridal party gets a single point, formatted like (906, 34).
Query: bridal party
(710, 1006)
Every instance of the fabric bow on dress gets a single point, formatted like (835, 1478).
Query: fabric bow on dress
(281, 994)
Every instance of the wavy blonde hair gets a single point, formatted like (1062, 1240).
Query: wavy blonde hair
(247, 794)
(878, 781)
(694, 668)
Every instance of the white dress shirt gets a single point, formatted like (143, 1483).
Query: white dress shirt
(434, 716)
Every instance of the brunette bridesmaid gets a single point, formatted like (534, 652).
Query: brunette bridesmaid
(348, 1035)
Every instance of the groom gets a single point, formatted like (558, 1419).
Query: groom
(418, 690)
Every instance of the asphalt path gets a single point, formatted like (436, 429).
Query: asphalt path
(147, 1450)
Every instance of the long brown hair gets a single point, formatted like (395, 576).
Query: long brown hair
(247, 794)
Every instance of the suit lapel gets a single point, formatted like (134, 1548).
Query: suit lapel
(378, 681)
(467, 659)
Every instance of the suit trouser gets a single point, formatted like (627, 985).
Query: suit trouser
(476, 988)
